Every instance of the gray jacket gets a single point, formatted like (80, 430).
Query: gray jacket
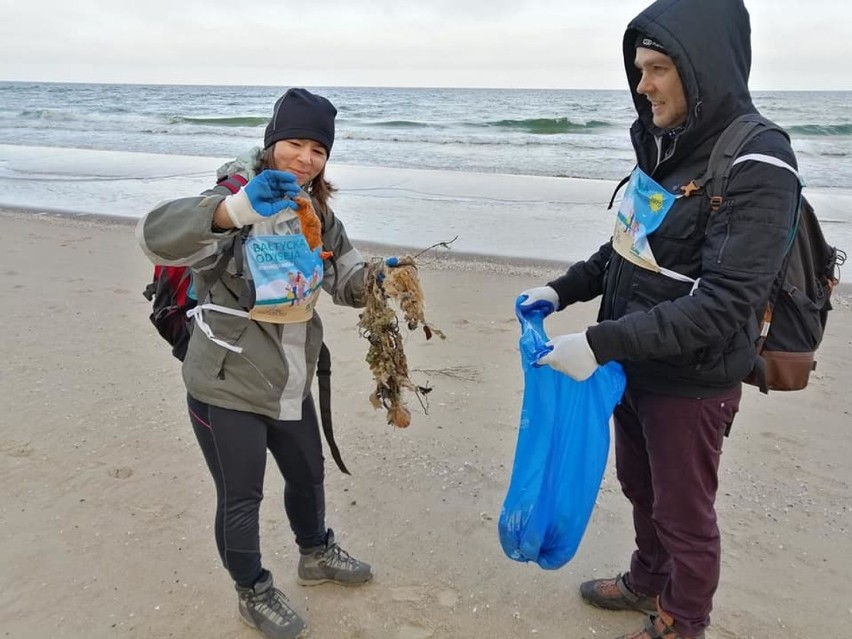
(273, 373)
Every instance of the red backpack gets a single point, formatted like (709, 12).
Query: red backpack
(169, 293)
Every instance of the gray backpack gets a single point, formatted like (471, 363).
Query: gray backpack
(794, 320)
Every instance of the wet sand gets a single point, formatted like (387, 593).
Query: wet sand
(107, 506)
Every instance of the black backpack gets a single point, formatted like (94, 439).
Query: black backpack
(795, 316)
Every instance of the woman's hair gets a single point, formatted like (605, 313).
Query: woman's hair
(319, 188)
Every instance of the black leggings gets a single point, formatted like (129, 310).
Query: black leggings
(234, 444)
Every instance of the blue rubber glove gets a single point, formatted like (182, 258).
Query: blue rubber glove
(265, 196)
(572, 355)
(541, 298)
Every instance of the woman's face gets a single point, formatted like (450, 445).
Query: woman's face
(303, 158)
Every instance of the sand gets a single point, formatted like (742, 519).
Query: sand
(106, 506)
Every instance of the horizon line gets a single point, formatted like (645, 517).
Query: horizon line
(379, 86)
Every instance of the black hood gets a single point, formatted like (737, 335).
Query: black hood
(710, 43)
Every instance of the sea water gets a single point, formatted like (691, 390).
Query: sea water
(516, 173)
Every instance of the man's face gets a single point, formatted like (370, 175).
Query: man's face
(661, 84)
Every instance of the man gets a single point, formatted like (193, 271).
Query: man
(681, 289)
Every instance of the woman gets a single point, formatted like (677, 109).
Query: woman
(253, 353)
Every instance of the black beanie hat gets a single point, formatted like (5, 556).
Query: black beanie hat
(301, 114)
(648, 42)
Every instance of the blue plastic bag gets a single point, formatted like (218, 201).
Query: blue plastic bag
(562, 447)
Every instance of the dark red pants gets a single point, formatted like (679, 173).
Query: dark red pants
(667, 453)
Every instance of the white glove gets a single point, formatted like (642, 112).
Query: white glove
(571, 355)
(542, 298)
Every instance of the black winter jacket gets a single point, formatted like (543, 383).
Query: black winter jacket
(670, 340)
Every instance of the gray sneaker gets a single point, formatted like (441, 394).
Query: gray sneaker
(265, 608)
(331, 563)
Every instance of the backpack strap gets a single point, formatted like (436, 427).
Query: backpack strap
(723, 154)
(324, 382)
(150, 290)
(758, 373)
(216, 272)
(623, 181)
(722, 158)
(233, 182)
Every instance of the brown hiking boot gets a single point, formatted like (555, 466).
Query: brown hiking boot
(615, 594)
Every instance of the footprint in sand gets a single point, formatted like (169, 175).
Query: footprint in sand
(448, 598)
(407, 593)
(413, 631)
(24, 450)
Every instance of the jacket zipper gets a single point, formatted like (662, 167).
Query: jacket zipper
(727, 213)
(614, 293)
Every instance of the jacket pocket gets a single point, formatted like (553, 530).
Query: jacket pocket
(677, 243)
(796, 324)
(647, 289)
(682, 220)
(209, 357)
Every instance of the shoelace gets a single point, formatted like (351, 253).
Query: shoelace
(336, 557)
(275, 602)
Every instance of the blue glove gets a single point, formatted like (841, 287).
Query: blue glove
(265, 196)
(541, 298)
(572, 355)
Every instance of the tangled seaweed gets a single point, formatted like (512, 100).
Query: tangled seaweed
(379, 324)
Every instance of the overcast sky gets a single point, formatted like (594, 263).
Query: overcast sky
(435, 43)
